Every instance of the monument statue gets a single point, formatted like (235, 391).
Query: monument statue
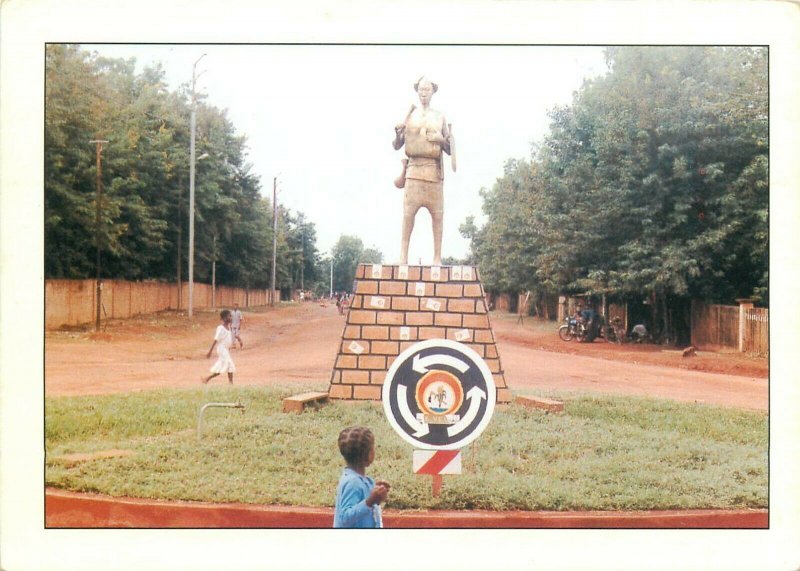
(425, 134)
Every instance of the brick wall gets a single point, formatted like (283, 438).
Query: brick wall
(394, 307)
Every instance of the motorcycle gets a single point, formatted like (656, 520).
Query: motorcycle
(574, 329)
(614, 332)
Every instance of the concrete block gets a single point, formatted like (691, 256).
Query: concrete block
(361, 316)
(449, 290)
(541, 403)
(368, 287)
(370, 362)
(355, 377)
(405, 303)
(346, 362)
(378, 332)
(473, 290)
(367, 392)
(476, 321)
(385, 348)
(396, 333)
(461, 305)
(432, 333)
(448, 319)
(297, 403)
(504, 396)
(484, 336)
(419, 318)
(413, 273)
(392, 288)
(352, 332)
(354, 347)
(391, 318)
(341, 392)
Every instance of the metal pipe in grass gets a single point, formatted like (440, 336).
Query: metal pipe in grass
(211, 405)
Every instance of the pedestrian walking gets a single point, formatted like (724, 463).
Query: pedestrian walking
(222, 341)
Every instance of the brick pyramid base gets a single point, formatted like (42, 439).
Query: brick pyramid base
(396, 306)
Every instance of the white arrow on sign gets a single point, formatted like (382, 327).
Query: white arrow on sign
(475, 394)
(420, 365)
(420, 428)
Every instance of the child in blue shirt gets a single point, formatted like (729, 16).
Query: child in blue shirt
(358, 497)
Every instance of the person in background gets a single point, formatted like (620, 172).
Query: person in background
(592, 321)
(358, 497)
(236, 324)
(222, 340)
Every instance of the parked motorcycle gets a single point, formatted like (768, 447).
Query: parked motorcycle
(614, 332)
(574, 329)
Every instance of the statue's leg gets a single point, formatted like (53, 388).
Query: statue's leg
(436, 208)
(411, 204)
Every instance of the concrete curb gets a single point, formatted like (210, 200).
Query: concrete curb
(75, 510)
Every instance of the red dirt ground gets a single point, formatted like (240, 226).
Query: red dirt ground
(298, 343)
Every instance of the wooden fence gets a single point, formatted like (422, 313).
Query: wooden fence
(740, 328)
(72, 302)
(756, 334)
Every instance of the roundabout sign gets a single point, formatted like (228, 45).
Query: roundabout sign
(439, 395)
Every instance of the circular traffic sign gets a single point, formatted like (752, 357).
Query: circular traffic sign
(439, 394)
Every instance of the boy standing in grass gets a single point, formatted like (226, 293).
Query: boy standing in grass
(358, 497)
(223, 340)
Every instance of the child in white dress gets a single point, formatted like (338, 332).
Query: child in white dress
(223, 339)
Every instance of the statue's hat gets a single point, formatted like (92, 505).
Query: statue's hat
(424, 78)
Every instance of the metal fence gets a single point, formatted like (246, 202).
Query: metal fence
(72, 302)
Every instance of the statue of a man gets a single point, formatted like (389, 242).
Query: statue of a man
(425, 134)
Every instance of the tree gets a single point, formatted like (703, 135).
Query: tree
(653, 182)
(347, 253)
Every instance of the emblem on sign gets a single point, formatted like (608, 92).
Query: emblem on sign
(439, 394)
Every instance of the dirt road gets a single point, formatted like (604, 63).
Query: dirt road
(297, 344)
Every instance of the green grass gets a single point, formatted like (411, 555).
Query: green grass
(602, 453)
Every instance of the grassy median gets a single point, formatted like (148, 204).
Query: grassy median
(602, 453)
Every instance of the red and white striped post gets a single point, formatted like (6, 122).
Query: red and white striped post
(436, 463)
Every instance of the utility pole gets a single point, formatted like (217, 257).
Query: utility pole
(214, 271)
(331, 276)
(98, 199)
(191, 184)
(274, 237)
(180, 235)
(302, 257)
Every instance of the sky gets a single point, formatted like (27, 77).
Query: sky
(322, 118)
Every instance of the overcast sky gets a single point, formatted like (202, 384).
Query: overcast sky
(323, 117)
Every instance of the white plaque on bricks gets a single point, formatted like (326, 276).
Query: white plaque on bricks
(405, 333)
(419, 289)
(402, 272)
(436, 273)
(433, 304)
(376, 301)
(355, 348)
(466, 273)
(462, 334)
(377, 271)
(455, 273)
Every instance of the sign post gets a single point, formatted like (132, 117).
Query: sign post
(438, 395)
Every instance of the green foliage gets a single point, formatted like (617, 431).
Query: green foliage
(601, 453)
(654, 179)
(145, 176)
(348, 252)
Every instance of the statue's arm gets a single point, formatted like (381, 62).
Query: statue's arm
(399, 136)
(445, 136)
